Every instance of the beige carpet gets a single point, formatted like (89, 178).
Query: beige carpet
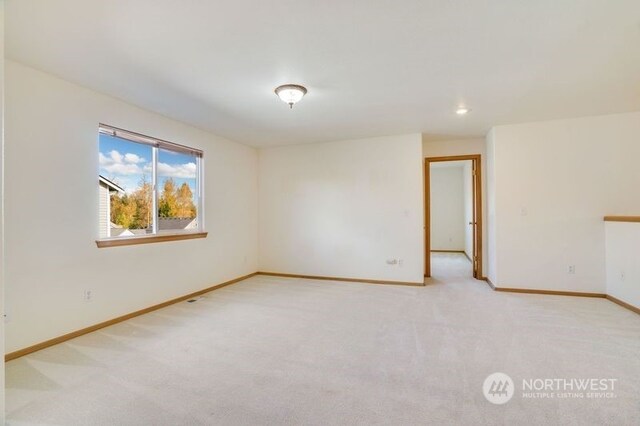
(288, 351)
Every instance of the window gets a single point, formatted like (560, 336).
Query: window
(148, 187)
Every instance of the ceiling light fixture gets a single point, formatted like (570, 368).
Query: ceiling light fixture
(462, 110)
(291, 93)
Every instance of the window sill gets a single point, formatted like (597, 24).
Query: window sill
(161, 238)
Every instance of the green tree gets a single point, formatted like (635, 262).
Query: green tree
(134, 211)
(184, 198)
(168, 202)
(123, 211)
(143, 197)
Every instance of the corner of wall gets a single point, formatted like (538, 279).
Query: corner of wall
(492, 272)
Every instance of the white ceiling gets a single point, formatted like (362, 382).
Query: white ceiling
(372, 67)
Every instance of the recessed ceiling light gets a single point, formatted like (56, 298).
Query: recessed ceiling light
(462, 110)
(291, 93)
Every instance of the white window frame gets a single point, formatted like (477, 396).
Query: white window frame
(157, 144)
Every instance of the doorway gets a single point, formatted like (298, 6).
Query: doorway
(473, 220)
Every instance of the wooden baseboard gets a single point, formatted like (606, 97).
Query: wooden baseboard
(622, 219)
(569, 293)
(69, 336)
(77, 333)
(564, 293)
(352, 280)
(549, 292)
(624, 304)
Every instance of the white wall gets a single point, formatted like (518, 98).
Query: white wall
(467, 195)
(445, 148)
(343, 208)
(52, 211)
(554, 182)
(447, 207)
(2, 262)
(622, 266)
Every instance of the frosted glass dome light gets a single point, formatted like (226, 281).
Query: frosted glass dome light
(291, 93)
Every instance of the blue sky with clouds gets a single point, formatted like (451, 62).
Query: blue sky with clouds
(125, 163)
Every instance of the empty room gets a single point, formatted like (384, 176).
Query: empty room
(320, 213)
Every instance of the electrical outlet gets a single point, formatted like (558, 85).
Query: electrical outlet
(87, 296)
(571, 269)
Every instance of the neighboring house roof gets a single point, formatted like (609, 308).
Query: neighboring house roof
(166, 223)
(110, 184)
(120, 232)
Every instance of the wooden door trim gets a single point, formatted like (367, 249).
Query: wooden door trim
(477, 159)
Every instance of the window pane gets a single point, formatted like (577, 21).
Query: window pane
(177, 191)
(125, 187)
